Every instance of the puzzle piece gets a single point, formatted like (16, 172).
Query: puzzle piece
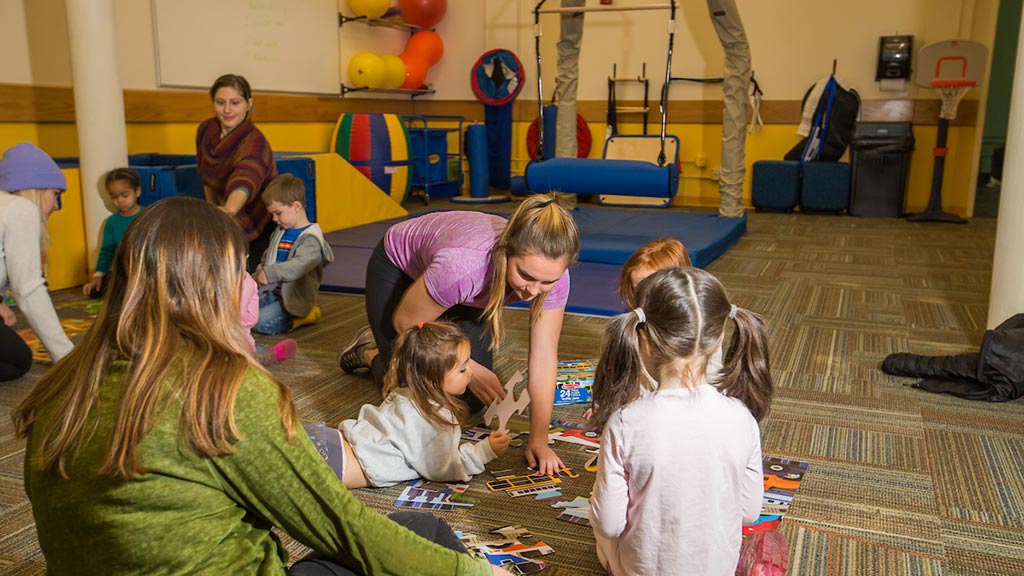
(504, 409)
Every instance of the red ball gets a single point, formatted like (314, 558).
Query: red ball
(425, 13)
(425, 44)
(415, 71)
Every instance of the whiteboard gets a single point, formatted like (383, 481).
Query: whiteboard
(278, 45)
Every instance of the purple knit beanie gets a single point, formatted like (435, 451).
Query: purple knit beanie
(25, 166)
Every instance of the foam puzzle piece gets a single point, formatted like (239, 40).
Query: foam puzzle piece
(504, 409)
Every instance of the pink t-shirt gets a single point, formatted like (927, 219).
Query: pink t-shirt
(452, 252)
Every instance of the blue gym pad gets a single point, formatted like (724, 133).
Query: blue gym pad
(607, 236)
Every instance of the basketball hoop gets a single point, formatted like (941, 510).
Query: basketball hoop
(951, 92)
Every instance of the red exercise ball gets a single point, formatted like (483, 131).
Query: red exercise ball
(426, 44)
(425, 13)
(415, 71)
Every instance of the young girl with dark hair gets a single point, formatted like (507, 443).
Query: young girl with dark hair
(124, 189)
(416, 431)
(679, 470)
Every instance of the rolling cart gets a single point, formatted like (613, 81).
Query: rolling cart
(435, 170)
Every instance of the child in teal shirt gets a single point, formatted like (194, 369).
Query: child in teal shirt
(124, 188)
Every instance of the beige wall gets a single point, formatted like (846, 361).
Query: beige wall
(792, 42)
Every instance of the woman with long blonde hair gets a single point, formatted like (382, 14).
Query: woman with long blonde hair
(465, 267)
(30, 188)
(160, 445)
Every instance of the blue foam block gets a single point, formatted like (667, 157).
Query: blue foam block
(598, 176)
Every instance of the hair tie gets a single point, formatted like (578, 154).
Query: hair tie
(641, 318)
(545, 204)
(420, 326)
(732, 312)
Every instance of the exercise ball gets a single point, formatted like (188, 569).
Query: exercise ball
(415, 71)
(426, 44)
(366, 70)
(425, 13)
(369, 8)
(394, 71)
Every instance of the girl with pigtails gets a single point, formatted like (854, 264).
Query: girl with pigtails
(679, 470)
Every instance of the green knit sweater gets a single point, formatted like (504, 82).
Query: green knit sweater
(194, 515)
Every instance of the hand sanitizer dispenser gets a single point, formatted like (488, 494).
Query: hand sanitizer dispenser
(894, 61)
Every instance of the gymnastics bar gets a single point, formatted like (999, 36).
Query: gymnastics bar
(573, 10)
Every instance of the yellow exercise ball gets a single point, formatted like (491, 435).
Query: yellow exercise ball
(366, 70)
(394, 71)
(369, 8)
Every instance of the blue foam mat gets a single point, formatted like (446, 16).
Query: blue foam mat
(607, 236)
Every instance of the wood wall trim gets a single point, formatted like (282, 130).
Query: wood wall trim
(51, 104)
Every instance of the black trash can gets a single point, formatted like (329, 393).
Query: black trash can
(880, 162)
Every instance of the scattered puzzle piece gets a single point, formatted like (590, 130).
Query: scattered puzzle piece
(503, 409)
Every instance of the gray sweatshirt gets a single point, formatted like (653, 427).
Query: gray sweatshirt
(394, 443)
(301, 273)
(21, 265)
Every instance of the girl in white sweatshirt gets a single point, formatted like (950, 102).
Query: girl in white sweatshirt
(415, 432)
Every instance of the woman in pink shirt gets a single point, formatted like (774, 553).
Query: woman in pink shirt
(465, 267)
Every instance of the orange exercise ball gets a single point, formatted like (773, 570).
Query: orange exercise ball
(426, 44)
(415, 71)
(394, 71)
(369, 8)
(425, 13)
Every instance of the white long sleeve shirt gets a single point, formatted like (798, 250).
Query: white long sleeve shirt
(21, 265)
(394, 443)
(678, 475)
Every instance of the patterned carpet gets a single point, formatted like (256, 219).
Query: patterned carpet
(900, 481)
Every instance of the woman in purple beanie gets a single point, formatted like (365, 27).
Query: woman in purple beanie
(30, 189)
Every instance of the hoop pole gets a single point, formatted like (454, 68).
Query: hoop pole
(633, 8)
(540, 85)
(668, 80)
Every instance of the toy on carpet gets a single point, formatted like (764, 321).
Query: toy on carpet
(279, 351)
(505, 549)
(574, 382)
(415, 496)
(518, 482)
(781, 480)
(72, 327)
(576, 511)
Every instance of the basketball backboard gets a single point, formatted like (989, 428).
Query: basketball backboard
(951, 62)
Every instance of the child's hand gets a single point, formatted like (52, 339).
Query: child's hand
(7, 317)
(92, 286)
(499, 442)
(261, 278)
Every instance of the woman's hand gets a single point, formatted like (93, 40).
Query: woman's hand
(499, 442)
(541, 457)
(261, 278)
(485, 384)
(7, 315)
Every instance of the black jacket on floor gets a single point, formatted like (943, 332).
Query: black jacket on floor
(996, 373)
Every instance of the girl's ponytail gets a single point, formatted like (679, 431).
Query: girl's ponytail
(746, 373)
(619, 374)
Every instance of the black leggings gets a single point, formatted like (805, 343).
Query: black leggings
(385, 286)
(426, 525)
(15, 355)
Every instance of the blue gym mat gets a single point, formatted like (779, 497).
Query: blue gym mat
(607, 238)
